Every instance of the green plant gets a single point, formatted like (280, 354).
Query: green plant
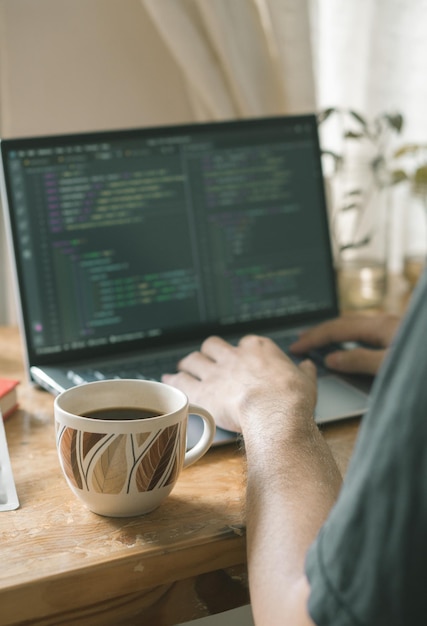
(414, 168)
(372, 138)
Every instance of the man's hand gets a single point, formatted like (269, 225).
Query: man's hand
(245, 385)
(377, 331)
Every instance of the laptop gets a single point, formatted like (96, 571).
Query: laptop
(132, 246)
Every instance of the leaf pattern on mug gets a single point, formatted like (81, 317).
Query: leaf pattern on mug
(140, 438)
(89, 441)
(69, 456)
(108, 475)
(113, 464)
(159, 465)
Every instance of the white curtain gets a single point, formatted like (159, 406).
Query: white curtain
(371, 55)
(7, 308)
(240, 58)
(258, 57)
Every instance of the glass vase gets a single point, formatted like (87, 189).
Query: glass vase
(414, 230)
(360, 233)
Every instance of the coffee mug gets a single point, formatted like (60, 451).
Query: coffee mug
(122, 443)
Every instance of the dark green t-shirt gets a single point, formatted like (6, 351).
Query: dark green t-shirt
(368, 565)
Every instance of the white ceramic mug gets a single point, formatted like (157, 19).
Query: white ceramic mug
(124, 466)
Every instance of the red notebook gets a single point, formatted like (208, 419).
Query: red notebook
(8, 396)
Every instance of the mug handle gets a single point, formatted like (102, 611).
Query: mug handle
(206, 439)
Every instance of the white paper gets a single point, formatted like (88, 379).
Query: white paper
(8, 496)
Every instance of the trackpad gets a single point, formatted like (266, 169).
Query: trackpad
(338, 399)
(195, 429)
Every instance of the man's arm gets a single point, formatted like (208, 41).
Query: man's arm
(291, 488)
(292, 478)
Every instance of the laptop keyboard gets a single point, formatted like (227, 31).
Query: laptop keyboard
(317, 356)
(141, 368)
(152, 369)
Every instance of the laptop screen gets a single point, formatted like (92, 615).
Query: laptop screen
(129, 237)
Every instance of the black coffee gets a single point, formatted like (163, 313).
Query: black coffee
(122, 413)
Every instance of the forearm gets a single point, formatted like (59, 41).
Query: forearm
(292, 478)
(291, 488)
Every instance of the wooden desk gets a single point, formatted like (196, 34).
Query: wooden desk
(62, 564)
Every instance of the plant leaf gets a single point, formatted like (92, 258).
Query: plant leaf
(359, 118)
(323, 115)
(378, 162)
(420, 181)
(397, 176)
(350, 134)
(356, 244)
(395, 120)
(408, 149)
(349, 207)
